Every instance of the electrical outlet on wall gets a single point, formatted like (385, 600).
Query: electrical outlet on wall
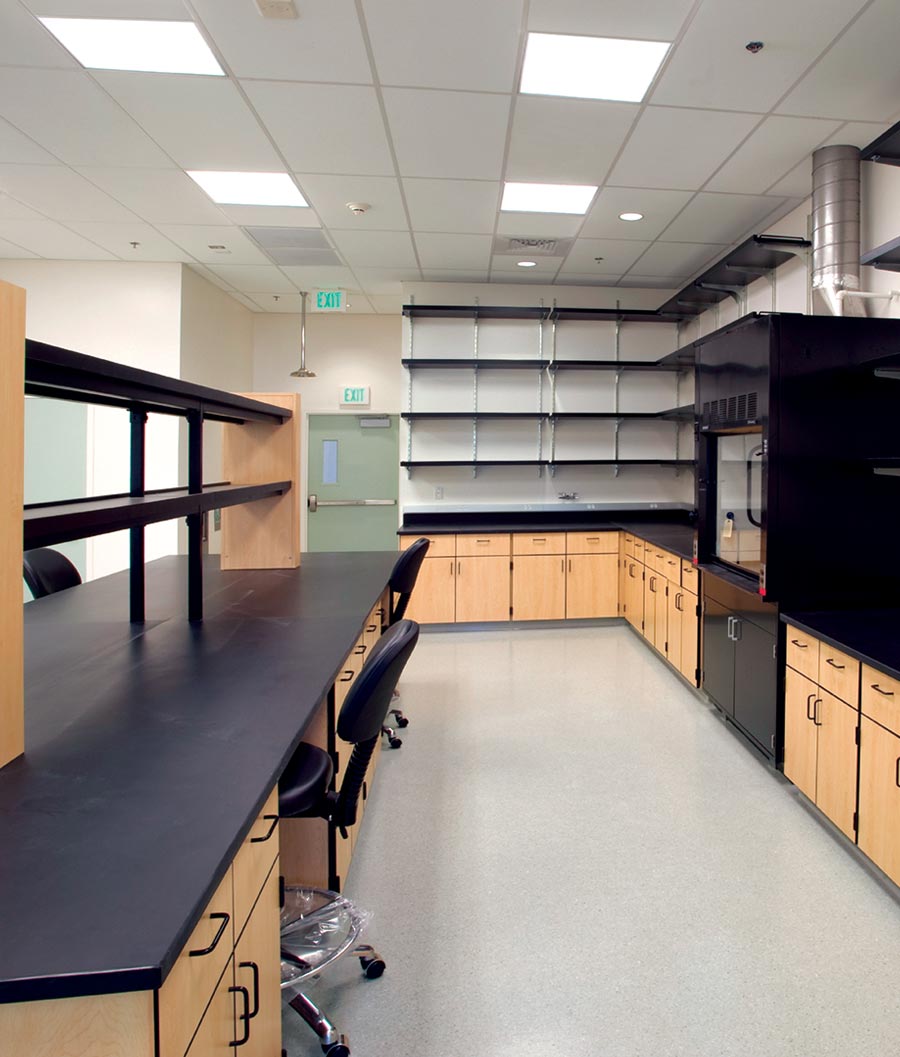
(438, 492)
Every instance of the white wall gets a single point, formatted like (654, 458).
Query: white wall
(128, 313)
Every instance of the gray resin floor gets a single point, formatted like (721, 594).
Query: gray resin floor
(572, 855)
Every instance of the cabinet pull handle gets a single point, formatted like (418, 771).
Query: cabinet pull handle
(816, 712)
(736, 629)
(570, 565)
(370, 628)
(262, 840)
(897, 773)
(652, 582)
(538, 539)
(809, 700)
(730, 628)
(800, 645)
(452, 563)
(828, 660)
(225, 918)
(482, 541)
(562, 565)
(884, 693)
(360, 650)
(254, 968)
(592, 539)
(347, 676)
(244, 1017)
(631, 570)
(672, 563)
(679, 602)
(458, 569)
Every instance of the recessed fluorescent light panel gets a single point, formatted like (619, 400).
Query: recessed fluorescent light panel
(127, 44)
(250, 188)
(590, 67)
(547, 198)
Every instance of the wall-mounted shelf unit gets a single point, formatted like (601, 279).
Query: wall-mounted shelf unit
(885, 257)
(550, 464)
(884, 148)
(61, 374)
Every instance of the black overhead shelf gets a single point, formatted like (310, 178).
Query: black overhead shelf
(885, 148)
(51, 523)
(65, 375)
(597, 315)
(470, 364)
(686, 412)
(552, 463)
(615, 365)
(671, 362)
(413, 416)
(885, 257)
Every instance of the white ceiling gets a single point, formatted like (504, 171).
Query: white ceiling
(412, 106)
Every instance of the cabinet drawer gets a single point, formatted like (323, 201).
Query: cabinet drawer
(628, 541)
(690, 576)
(670, 567)
(802, 652)
(881, 698)
(440, 546)
(592, 542)
(839, 674)
(193, 978)
(543, 543)
(476, 546)
(254, 860)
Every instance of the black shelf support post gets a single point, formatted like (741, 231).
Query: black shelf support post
(137, 595)
(195, 521)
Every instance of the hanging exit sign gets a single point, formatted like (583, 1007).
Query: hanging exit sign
(355, 396)
(330, 301)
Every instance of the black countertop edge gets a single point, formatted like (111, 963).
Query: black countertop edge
(80, 985)
(870, 635)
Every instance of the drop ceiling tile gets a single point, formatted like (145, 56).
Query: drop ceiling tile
(648, 20)
(324, 44)
(202, 122)
(618, 255)
(117, 238)
(169, 10)
(451, 275)
(857, 133)
(161, 196)
(676, 258)
(858, 79)
(544, 268)
(539, 225)
(452, 205)
(196, 240)
(326, 277)
(62, 194)
(10, 209)
(773, 149)
(505, 278)
(797, 182)
(329, 196)
(550, 142)
(351, 139)
(586, 279)
(384, 282)
(454, 251)
(254, 278)
(9, 251)
(70, 116)
(17, 148)
(712, 67)
(658, 207)
(653, 282)
(243, 299)
(272, 216)
(679, 149)
(720, 217)
(49, 239)
(386, 304)
(25, 42)
(460, 135)
(376, 249)
(467, 44)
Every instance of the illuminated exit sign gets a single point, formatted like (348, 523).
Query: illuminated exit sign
(355, 396)
(330, 301)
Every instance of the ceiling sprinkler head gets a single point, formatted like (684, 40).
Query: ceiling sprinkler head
(754, 46)
(358, 208)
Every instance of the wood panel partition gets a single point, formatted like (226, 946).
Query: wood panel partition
(12, 453)
(265, 534)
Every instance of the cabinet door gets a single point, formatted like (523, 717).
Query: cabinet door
(216, 1035)
(257, 967)
(836, 760)
(800, 740)
(718, 655)
(674, 617)
(592, 587)
(482, 589)
(433, 599)
(661, 626)
(690, 636)
(539, 588)
(651, 584)
(755, 682)
(879, 796)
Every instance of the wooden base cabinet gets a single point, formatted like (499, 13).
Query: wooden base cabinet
(539, 587)
(879, 796)
(434, 598)
(633, 594)
(592, 588)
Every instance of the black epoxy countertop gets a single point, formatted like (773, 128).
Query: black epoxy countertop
(670, 530)
(149, 752)
(870, 635)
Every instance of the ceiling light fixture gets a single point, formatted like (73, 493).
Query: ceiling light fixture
(250, 188)
(135, 45)
(590, 67)
(547, 198)
(631, 216)
(527, 264)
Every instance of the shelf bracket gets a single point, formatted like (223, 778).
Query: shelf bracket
(136, 586)
(195, 521)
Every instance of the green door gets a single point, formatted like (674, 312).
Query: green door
(353, 462)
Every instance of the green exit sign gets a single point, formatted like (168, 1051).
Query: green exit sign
(330, 301)
(355, 396)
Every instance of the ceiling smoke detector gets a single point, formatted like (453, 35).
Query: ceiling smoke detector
(754, 46)
(277, 8)
(358, 208)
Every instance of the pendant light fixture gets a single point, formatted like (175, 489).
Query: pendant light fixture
(303, 371)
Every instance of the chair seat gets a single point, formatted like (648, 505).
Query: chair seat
(317, 926)
(304, 782)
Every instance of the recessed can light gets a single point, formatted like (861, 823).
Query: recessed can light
(631, 216)
(527, 264)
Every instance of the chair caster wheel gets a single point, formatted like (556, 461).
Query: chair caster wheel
(372, 967)
(403, 722)
(337, 1049)
(395, 742)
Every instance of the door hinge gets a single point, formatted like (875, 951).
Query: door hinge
(855, 821)
(642, 625)
(856, 735)
(281, 892)
(510, 566)
(698, 676)
(666, 648)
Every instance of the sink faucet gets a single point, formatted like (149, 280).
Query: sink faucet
(571, 496)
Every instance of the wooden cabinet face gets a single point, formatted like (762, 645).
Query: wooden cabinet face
(254, 860)
(482, 588)
(433, 599)
(216, 1035)
(592, 542)
(690, 637)
(539, 587)
(879, 796)
(592, 585)
(802, 652)
(548, 543)
(836, 761)
(257, 967)
(482, 546)
(800, 741)
(661, 623)
(438, 546)
(651, 581)
(634, 594)
(839, 674)
(880, 699)
(674, 632)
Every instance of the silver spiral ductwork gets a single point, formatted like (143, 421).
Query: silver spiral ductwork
(835, 227)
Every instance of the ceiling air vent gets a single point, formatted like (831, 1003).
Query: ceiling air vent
(505, 245)
(294, 245)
